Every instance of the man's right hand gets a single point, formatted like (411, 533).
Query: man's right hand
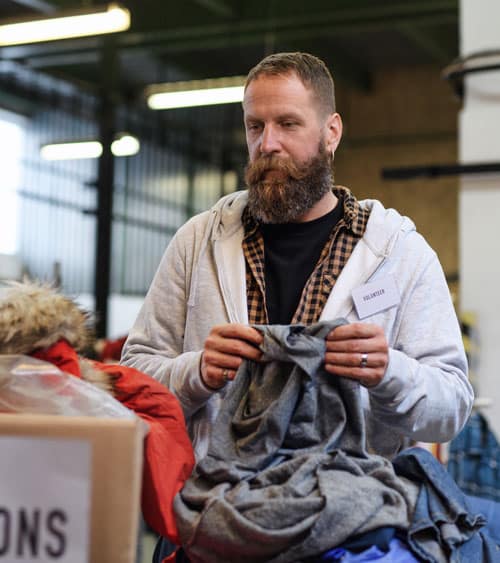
(225, 349)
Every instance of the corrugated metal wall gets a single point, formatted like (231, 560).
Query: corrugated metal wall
(57, 225)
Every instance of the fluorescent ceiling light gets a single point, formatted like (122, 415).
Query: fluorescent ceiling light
(192, 98)
(78, 23)
(196, 93)
(123, 145)
(70, 151)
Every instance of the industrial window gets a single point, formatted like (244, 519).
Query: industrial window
(11, 149)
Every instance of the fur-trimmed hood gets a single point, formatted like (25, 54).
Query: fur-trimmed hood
(36, 316)
(35, 319)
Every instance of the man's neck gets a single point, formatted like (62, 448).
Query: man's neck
(326, 204)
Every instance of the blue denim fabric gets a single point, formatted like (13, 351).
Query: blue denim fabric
(443, 515)
(398, 552)
(474, 459)
(491, 510)
(381, 537)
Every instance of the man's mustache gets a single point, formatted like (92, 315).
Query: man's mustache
(256, 170)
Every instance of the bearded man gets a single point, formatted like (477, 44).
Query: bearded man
(296, 249)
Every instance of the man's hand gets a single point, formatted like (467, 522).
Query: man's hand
(358, 351)
(225, 349)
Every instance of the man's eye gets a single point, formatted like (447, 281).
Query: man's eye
(289, 124)
(253, 127)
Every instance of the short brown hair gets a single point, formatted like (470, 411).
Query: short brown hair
(312, 71)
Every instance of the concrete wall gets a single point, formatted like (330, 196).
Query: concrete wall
(480, 197)
(410, 118)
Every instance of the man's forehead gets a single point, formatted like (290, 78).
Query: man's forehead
(272, 88)
(267, 77)
(277, 103)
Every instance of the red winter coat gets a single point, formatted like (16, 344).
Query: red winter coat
(168, 454)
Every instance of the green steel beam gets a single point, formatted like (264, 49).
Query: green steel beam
(217, 7)
(427, 41)
(38, 5)
(409, 17)
(247, 37)
(17, 104)
(348, 21)
(338, 22)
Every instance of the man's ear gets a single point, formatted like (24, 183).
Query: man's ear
(333, 132)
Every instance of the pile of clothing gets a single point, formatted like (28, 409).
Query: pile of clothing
(287, 477)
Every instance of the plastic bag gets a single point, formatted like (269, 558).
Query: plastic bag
(29, 385)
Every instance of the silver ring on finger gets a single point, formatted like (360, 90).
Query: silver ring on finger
(364, 361)
(225, 374)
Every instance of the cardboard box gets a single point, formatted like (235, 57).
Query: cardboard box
(112, 479)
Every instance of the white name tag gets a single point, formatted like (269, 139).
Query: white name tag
(375, 297)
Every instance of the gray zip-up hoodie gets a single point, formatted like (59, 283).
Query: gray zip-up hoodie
(425, 394)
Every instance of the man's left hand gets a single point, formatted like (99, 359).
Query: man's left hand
(358, 351)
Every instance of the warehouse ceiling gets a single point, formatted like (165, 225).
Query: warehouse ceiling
(187, 39)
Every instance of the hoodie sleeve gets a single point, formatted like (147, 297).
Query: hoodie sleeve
(155, 344)
(425, 394)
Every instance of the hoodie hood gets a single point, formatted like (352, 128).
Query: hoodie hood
(382, 231)
(224, 219)
(227, 214)
(384, 227)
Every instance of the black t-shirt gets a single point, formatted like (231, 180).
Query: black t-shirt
(291, 251)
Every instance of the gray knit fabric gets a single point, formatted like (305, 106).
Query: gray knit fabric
(287, 475)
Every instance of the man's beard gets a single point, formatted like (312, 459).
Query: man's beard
(290, 196)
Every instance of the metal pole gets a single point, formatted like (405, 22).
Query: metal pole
(105, 181)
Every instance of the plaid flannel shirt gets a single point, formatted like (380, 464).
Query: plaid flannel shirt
(334, 256)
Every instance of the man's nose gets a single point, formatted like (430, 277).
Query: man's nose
(270, 142)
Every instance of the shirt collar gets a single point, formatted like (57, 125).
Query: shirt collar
(354, 215)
